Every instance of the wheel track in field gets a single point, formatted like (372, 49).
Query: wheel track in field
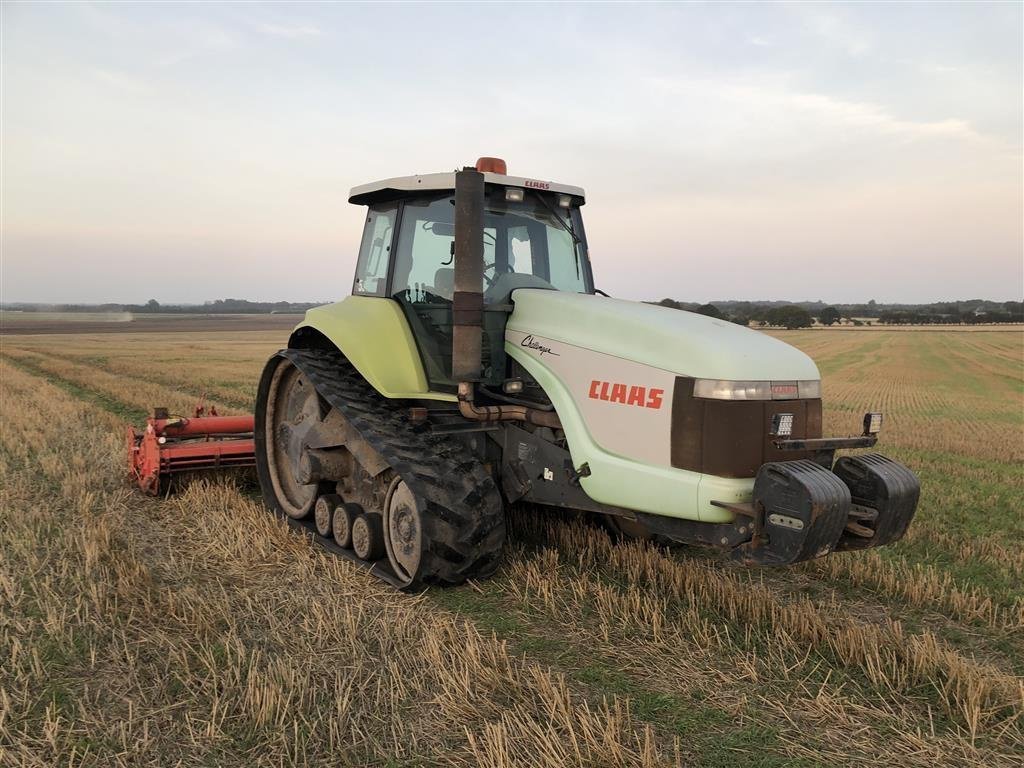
(974, 357)
(102, 400)
(129, 373)
(146, 394)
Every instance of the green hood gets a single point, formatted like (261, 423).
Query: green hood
(684, 343)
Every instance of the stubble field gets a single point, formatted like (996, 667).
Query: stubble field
(199, 630)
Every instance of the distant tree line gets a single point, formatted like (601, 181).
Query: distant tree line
(785, 316)
(804, 314)
(218, 307)
(951, 314)
(778, 314)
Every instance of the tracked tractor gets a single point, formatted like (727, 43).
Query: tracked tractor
(476, 366)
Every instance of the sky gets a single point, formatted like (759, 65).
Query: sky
(188, 152)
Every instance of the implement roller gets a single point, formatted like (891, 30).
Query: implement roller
(170, 445)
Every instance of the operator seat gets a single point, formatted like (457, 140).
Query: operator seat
(444, 283)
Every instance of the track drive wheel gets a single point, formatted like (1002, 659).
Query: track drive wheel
(403, 531)
(291, 408)
(422, 547)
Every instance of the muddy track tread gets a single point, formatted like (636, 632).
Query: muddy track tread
(464, 524)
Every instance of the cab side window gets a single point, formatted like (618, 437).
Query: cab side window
(375, 251)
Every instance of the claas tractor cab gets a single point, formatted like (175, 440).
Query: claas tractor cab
(476, 366)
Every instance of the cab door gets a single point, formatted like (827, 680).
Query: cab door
(423, 282)
(374, 261)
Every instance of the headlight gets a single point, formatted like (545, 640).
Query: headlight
(716, 389)
(719, 389)
(809, 390)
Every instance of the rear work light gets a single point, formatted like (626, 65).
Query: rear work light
(719, 389)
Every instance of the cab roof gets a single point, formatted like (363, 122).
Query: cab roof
(400, 186)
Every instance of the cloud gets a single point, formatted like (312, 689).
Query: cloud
(290, 31)
(871, 117)
(772, 107)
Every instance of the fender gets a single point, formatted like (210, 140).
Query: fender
(373, 334)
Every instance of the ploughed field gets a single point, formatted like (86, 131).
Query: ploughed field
(199, 630)
(25, 323)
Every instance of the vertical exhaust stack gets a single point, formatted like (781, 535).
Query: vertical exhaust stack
(468, 299)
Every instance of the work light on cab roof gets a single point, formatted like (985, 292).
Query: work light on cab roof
(477, 365)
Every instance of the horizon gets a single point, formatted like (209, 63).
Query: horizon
(762, 301)
(846, 151)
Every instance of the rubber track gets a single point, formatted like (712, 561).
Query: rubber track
(464, 509)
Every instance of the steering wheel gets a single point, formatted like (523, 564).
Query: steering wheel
(493, 278)
(489, 280)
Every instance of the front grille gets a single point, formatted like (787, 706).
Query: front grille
(729, 438)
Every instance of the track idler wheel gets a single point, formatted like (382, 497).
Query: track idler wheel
(368, 537)
(884, 493)
(291, 409)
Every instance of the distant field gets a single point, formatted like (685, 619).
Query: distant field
(126, 322)
(198, 629)
(1009, 327)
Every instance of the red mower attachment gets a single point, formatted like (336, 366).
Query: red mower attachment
(172, 444)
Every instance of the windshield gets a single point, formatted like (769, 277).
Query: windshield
(530, 243)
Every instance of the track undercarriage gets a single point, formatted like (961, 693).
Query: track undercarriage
(345, 463)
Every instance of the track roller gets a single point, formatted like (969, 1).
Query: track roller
(341, 525)
(323, 513)
(368, 537)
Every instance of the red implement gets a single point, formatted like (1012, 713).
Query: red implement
(172, 444)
